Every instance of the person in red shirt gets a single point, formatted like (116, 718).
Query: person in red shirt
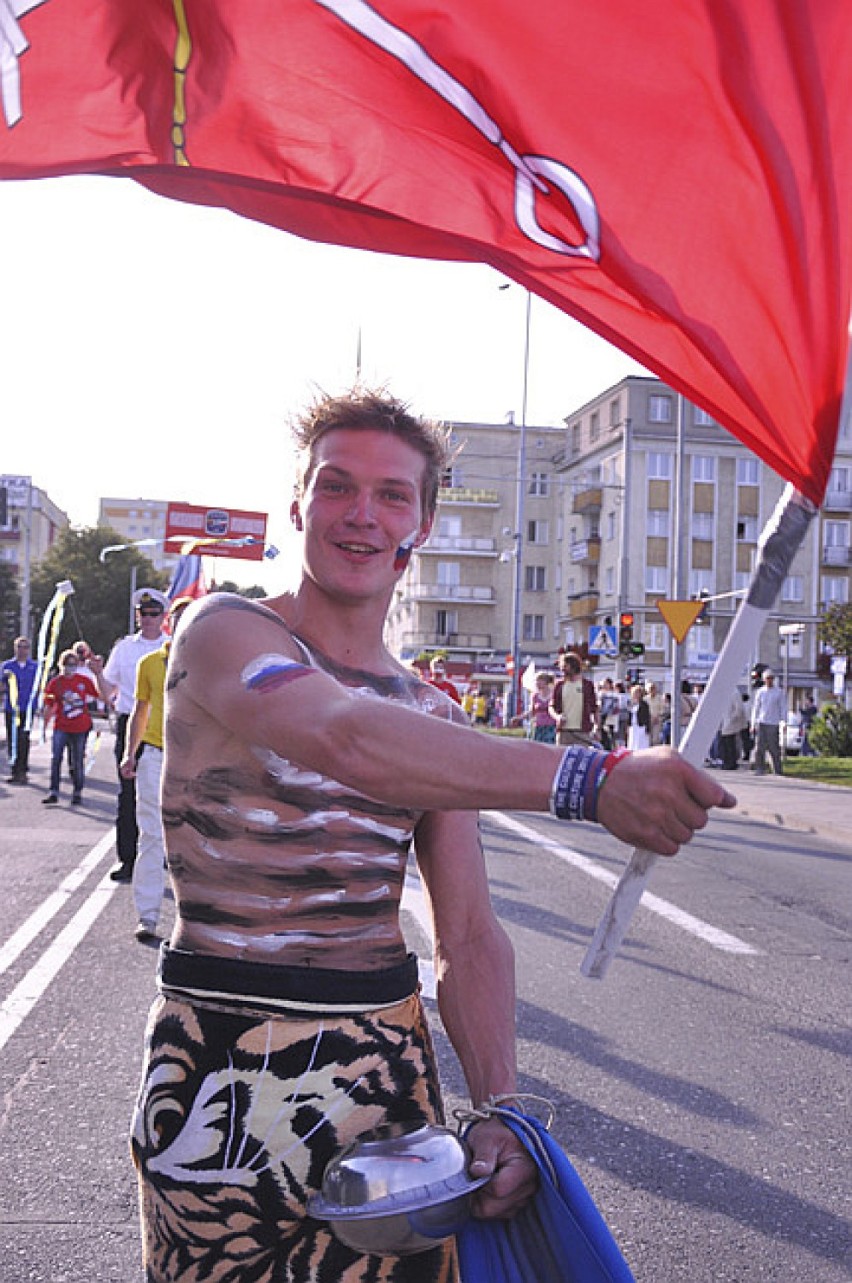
(66, 699)
(438, 677)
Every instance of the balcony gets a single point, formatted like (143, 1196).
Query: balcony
(588, 499)
(422, 640)
(474, 594)
(460, 543)
(836, 555)
(583, 606)
(468, 495)
(586, 552)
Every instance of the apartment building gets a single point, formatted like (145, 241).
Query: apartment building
(458, 594)
(598, 538)
(32, 524)
(620, 462)
(137, 519)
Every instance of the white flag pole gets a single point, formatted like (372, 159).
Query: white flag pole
(778, 544)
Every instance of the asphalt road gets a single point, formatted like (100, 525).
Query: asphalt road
(701, 1089)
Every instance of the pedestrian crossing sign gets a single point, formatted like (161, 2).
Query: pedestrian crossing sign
(602, 640)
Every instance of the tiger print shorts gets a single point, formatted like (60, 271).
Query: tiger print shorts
(238, 1114)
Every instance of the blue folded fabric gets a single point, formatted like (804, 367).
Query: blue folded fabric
(558, 1237)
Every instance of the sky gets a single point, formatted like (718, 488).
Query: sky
(152, 349)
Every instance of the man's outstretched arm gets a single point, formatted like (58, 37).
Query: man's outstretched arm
(244, 670)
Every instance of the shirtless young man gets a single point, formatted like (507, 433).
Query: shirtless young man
(301, 759)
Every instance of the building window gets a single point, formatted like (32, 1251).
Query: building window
(449, 527)
(537, 532)
(793, 588)
(575, 439)
(446, 623)
(834, 590)
(703, 467)
(449, 574)
(836, 534)
(610, 525)
(654, 636)
(656, 579)
(538, 484)
(659, 409)
(659, 466)
(748, 471)
(614, 413)
(533, 627)
(535, 578)
(700, 640)
(701, 418)
(747, 529)
(594, 426)
(702, 525)
(658, 522)
(609, 581)
(700, 581)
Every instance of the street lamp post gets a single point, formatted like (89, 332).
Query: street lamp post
(520, 499)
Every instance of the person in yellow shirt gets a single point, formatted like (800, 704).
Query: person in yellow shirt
(143, 761)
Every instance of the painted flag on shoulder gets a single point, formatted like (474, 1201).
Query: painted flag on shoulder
(675, 174)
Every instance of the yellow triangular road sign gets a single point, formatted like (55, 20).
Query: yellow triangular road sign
(679, 615)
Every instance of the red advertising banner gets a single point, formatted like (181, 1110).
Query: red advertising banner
(216, 532)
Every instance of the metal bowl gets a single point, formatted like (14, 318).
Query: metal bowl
(398, 1190)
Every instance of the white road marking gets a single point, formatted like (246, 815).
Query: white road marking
(38, 920)
(711, 935)
(25, 995)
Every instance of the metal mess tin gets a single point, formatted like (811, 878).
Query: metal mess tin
(400, 1189)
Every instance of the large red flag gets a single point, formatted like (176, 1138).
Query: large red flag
(676, 174)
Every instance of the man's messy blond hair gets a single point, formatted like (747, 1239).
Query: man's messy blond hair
(376, 410)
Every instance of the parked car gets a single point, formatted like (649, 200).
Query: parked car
(791, 736)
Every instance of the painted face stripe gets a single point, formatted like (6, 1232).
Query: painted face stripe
(270, 672)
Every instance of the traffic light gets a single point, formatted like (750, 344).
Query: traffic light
(626, 645)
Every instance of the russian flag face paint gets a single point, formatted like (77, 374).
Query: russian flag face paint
(270, 672)
(404, 551)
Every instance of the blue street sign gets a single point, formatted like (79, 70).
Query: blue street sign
(602, 640)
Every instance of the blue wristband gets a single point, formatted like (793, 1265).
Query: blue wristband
(578, 780)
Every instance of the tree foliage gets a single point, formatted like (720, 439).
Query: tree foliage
(835, 629)
(254, 592)
(10, 608)
(98, 611)
(831, 732)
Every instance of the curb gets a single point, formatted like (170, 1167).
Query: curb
(796, 824)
